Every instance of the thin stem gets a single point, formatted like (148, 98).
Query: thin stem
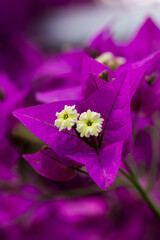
(143, 193)
(137, 185)
(133, 163)
(129, 169)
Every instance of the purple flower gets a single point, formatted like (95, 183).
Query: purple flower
(143, 77)
(93, 75)
(68, 72)
(146, 41)
(101, 155)
(97, 75)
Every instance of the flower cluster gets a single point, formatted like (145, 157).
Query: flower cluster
(89, 123)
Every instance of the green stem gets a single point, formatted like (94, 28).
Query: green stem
(143, 193)
(134, 180)
(129, 169)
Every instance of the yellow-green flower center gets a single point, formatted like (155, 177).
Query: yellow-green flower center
(89, 123)
(65, 116)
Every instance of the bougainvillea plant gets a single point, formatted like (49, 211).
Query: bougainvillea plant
(87, 122)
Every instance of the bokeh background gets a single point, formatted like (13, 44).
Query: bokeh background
(32, 207)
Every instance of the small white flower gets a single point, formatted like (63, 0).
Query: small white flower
(66, 118)
(89, 124)
(110, 60)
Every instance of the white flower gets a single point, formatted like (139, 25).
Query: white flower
(66, 118)
(89, 124)
(110, 60)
